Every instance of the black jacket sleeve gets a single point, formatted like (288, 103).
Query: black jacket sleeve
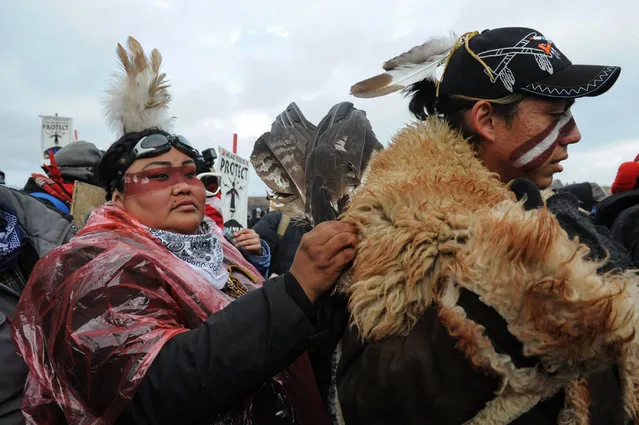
(625, 230)
(565, 207)
(197, 373)
(13, 370)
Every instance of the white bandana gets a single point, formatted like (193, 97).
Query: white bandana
(203, 252)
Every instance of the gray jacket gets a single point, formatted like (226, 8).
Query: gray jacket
(47, 229)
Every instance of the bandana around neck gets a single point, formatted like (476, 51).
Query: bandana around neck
(203, 252)
(11, 238)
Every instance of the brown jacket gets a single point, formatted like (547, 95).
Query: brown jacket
(424, 379)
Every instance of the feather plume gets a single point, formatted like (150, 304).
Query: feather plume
(410, 67)
(341, 148)
(138, 98)
(279, 155)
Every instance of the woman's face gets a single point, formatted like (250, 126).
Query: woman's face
(164, 193)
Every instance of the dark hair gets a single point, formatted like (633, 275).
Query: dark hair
(115, 161)
(425, 103)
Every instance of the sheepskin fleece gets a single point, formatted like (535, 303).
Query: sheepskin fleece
(432, 219)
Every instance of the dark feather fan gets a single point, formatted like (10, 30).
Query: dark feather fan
(340, 150)
(312, 171)
(279, 155)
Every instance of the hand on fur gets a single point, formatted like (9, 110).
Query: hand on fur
(322, 255)
(249, 240)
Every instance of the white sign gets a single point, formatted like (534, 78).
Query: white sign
(56, 132)
(234, 172)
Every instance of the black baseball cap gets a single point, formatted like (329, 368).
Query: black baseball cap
(498, 62)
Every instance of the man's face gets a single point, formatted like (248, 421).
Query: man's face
(533, 143)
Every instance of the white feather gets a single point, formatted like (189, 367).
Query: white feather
(399, 78)
(436, 46)
(417, 64)
(126, 105)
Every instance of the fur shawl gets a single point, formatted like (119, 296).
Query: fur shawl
(431, 220)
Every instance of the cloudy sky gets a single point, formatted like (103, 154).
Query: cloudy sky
(234, 65)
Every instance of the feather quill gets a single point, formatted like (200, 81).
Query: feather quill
(138, 97)
(279, 155)
(410, 67)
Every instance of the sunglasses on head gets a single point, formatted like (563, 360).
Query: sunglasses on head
(154, 145)
(211, 182)
(157, 144)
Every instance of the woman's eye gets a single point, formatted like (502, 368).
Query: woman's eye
(190, 175)
(159, 177)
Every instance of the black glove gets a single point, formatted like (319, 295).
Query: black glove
(523, 187)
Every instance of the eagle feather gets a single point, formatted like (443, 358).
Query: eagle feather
(417, 64)
(279, 155)
(313, 170)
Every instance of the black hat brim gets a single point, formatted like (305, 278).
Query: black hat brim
(575, 81)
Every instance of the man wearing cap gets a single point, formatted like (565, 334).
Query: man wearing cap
(450, 290)
(72, 163)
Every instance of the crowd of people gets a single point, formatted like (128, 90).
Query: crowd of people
(456, 286)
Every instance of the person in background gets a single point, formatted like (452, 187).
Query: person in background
(248, 241)
(28, 231)
(283, 237)
(205, 165)
(74, 162)
(620, 211)
(589, 194)
(256, 215)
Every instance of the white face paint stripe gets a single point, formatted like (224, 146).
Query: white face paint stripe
(542, 146)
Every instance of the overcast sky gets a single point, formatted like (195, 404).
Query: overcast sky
(234, 65)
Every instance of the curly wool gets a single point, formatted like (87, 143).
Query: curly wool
(414, 213)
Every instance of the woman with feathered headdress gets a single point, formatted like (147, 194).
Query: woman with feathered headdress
(133, 320)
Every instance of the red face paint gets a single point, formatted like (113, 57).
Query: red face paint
(535, 152)
(159, 179)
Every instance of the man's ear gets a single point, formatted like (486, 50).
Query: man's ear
(117, 198)
(482, 120)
